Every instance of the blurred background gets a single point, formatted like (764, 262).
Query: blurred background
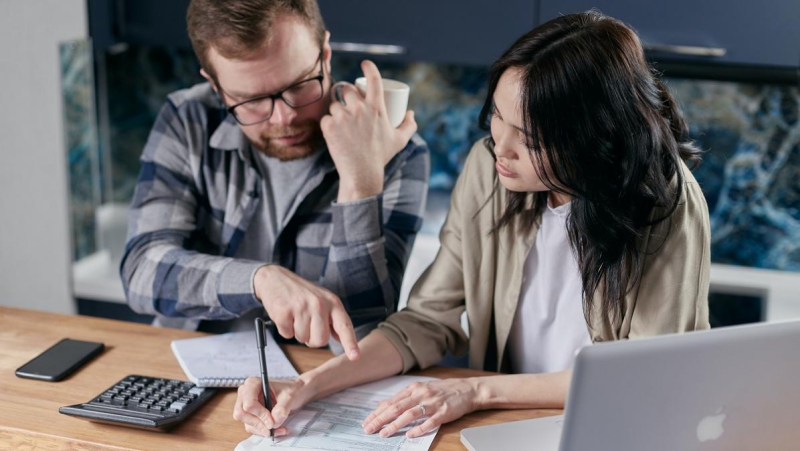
(83, 80)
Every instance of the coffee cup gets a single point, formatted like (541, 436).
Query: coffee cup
(395, 96)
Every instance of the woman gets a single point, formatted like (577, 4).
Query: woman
(577, 221)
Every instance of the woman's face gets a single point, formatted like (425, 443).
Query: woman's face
(514, 166)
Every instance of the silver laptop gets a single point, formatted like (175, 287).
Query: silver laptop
(734, 388)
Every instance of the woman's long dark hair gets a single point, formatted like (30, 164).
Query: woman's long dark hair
(610, 135)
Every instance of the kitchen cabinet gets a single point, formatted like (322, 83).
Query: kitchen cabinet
(720, 31)
(445, 31)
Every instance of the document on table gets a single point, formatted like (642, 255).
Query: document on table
(334, 423)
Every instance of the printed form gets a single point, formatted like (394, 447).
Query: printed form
(334, 423)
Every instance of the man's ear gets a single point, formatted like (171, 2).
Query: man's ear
(209, 79)
(327, 52)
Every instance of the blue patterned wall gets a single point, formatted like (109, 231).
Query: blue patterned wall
(751, 173)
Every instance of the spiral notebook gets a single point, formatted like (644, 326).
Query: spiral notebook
(227, 360)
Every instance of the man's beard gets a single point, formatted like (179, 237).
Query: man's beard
(267, 145)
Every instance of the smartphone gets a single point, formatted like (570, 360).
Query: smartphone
(60, 360)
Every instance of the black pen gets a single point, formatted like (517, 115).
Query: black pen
(261, 342)
(262, 360)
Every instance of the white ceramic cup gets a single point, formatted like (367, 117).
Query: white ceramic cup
(395, 95)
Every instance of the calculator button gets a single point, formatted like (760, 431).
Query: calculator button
(177, 407)
(197, 391)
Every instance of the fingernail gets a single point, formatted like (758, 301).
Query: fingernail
(353, 353)
(280, 433)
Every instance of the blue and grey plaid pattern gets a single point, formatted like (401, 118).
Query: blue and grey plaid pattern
(197, 192)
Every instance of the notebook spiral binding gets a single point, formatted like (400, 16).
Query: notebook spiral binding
(226, 381)
(220, 382)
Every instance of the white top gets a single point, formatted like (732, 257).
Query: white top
(549, 326)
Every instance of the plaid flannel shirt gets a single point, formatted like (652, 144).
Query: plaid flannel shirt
(197, 191)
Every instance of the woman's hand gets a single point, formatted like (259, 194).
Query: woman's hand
(286, 396)
(443, 401)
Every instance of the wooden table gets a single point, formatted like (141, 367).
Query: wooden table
(29, 417)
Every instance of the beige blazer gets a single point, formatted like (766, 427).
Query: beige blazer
(481, 273)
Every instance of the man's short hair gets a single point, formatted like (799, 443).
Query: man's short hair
(238, 28)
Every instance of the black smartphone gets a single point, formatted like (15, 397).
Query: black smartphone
(60, 360)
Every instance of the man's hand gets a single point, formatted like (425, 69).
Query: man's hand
(304, 310)
(360, 138)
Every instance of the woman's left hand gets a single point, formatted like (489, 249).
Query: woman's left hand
(443, 401)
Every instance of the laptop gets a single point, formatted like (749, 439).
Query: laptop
(734, 388)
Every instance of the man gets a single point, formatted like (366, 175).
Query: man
(256, 190)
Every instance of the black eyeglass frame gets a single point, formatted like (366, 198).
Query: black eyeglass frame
(279, 95)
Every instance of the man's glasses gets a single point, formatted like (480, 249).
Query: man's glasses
(300, 94)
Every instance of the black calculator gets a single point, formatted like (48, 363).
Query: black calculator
(143, 402)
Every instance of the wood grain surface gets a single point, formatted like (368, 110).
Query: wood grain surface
(29, 418)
